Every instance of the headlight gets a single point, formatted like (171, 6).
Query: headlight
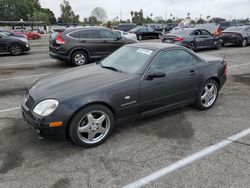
(46, 107)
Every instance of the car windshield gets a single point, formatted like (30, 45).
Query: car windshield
(121, 61)
(232, 29)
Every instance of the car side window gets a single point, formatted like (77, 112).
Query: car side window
(204, 32)
(150, 29)
(197, 32)
(107, 34)
(84, 34)
(173, 61)
(143, 30)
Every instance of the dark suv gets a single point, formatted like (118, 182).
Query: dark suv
(82, 45)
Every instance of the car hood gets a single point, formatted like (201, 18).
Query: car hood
(76, 81)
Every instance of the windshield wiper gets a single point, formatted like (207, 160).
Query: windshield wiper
(111, 68)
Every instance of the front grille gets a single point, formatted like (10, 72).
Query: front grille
(29, 102)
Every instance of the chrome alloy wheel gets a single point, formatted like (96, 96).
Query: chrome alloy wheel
(209, 95)
(93, 127)
(16, 49)
(80, 59)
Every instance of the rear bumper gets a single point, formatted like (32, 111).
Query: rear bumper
(60, 57)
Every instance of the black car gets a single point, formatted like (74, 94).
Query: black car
(239, 35)
(146, 33)
(14, 45)
(86, 103)
(82, 45)
(125, 26)
(8, 33)
(193, 38)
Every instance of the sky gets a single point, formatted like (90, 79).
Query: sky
(228, 9)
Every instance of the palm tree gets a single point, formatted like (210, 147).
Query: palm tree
(132, 14)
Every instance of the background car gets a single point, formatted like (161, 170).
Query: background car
(29, 34)
(8, 33)
(125, 26)
(153, 78)
(82, 45)
(14, 45)
(146, 33)
(126, 34)
(239, 35)
(193, 39)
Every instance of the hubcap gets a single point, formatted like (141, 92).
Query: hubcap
(244, 43)
(80, 59)
(16, 49)
(209, 95)
(191, 46)
(93, 127)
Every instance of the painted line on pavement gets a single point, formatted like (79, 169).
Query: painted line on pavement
(10, 109)
(188, 160)
(21, 77)
(235, 66)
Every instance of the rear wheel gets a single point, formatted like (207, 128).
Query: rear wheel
(207, 95)
(139, 37)
(91, 126)
(15, 49)
(79, 58)
(244, 43)
(192, 46)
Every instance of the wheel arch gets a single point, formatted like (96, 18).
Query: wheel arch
(86, 105)
(11, 43)
(79, 49)
(215, 79)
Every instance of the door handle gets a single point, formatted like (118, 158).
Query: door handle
(192, 72)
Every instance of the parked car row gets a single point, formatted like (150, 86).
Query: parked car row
(195, 38)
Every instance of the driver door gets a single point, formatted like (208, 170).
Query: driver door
(180, 83)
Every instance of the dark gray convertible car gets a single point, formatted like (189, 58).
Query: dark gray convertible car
(193, 38)
(135, 81)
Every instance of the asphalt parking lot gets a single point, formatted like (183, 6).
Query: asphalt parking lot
(134, 150)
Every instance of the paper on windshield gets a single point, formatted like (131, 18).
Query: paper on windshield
(144, 51)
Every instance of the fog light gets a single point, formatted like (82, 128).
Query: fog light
(56, 124)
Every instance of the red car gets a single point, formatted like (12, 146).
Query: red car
(29, 34)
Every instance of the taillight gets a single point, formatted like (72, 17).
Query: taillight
(179, 39)
(59, 39)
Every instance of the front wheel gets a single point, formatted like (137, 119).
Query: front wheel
(91, 126)
(244, 43)
(15, 49)
(207, 95)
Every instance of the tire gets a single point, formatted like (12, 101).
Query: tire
(98, 123)
(15, 49)
(191, 46)
(35, 37)
(218, 44)
(79, 58)
(243, 43)
(159, 36)
(139, 37)
(207, 97)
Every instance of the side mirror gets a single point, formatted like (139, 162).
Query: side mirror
(156, 74)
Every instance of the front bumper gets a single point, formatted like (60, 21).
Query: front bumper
(41, 124)
(26, 47)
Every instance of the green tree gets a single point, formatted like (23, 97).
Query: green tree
(67, 14)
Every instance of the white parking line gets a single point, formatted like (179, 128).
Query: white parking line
(10, 109)
(235, 66)
(188, 160)
(21, 77)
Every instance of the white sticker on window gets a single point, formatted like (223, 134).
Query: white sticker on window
(144, 51)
